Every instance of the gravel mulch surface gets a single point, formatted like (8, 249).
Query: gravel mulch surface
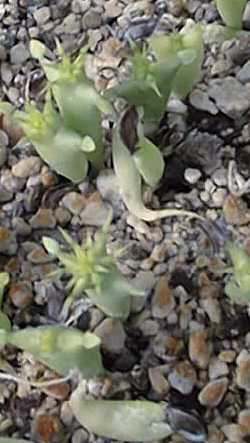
(184, 342)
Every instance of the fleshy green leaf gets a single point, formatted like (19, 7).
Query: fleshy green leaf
(128, 420)
(63, 153)
(4, 322)
(51, 245)
(88, 144)
(149, 86)
(115, 295)
(149, 161)
(188, 46)
(61, 349)
(37, 49)
(231, 11)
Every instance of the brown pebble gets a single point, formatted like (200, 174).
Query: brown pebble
(199, 349)
(212, 394)
(159, 383)
(47, 429)
(243, 370)
(60, 391)
(244, 420)
(236, 211)
(44, 218)
(21, 294)
(163, 301)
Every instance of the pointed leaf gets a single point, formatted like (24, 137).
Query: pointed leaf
(231, 11)
(149, 161)
(37, 49)
(4, 322)
(51, 245)
(62, 152)
(62, 349)
(127, 420)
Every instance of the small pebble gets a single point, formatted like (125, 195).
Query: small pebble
(199, 351)
(212, 393)
(183, 377)
(44, 218)
(243, 370)
(112, 335)
(163, 301)
(21, 294)
(27, 167)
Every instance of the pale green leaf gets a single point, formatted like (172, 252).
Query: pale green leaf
(149, 161)
(51, 245)
(127, 420)
(61, 349)
(88, 144)
(37, 49)
(231, 12)
(62, 152)
(4, 322)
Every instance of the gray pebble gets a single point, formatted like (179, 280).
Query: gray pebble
(19, 54)
(201, 101)
(231, 97)
(243, 75)
(92, 19)
(42, 15)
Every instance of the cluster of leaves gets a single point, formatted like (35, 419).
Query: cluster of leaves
(70, 138)
(67, 134)
(94, 272)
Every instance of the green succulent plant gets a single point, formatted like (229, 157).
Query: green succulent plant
(94, 272)
(61, 349)
(79, 103)
(136, 157)
(176, 68)
(238, 287)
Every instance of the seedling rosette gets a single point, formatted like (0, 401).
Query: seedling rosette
(93, 272)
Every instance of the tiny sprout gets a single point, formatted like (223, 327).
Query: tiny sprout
(94, 272)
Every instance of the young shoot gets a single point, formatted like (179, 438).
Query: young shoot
(93, 272)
